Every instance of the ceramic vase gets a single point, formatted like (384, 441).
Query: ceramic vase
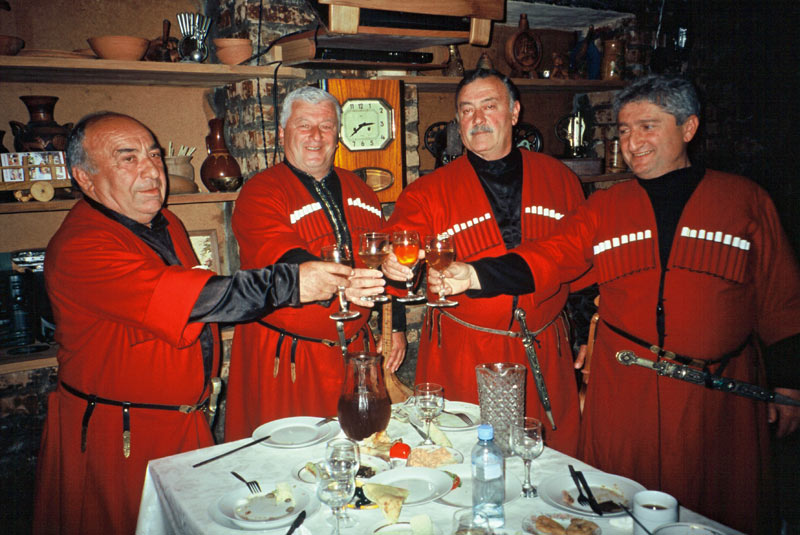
(41, 133)
(181, 174)
(220, 171)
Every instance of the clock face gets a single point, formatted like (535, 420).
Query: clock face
(367, 124)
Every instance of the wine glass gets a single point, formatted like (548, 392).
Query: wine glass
(429, 402)
(527, 442)
(335, 489)
(340, 254)
(342, 456)
(405, 244)
(372, 250)
(439, 253)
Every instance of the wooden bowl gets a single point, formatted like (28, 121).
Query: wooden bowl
(233, 55)
(120, 47)
(224, 42)
(10, 45)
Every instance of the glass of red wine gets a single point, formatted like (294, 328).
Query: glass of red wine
(373, 249)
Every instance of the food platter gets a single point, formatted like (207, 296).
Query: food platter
(249, 511)
(296, 432)
(604, 487)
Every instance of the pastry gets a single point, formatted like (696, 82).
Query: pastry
(389, 499)
(580, 526)
(547, 526)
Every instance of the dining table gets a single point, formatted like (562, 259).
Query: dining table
(179, 498)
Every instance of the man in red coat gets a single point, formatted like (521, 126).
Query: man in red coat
(289, 363)
(490, 201)
(136, 346)
(694, 263)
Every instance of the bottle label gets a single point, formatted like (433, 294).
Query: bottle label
(492, 471)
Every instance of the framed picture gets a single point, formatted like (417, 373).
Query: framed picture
(206, 247)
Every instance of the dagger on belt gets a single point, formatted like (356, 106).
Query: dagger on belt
(706, 378)
(528, 343)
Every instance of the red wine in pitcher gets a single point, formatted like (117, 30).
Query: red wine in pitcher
(361, 415)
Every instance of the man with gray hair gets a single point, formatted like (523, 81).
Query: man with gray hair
(289, 362)
(136, 328)
(694, 270)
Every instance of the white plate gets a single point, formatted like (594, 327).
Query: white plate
(300, 473)
(217, 516)
(462, 495)
(296, 432)
(449, 422)
(423, 484)
(401, 527)
(281, 514)
(604, 487)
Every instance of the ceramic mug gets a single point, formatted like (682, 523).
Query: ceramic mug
(653, 508)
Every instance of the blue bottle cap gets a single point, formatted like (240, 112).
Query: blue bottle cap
(485, 432)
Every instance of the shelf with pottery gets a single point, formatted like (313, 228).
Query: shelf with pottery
(437, 84)
(102, 71)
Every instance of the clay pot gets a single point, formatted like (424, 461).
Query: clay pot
(180, 173)
(42, 133)
(220, 171)
(120, 47)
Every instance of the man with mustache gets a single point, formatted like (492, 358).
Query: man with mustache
(491, 200)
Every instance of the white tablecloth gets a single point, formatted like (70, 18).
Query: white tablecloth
(177, 498)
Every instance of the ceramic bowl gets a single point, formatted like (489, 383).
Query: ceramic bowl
(224, 42)
(120, 47)
(233, 55)
(10, 45)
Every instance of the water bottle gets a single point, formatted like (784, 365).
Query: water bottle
(488, 479)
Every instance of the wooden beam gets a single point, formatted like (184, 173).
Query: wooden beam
(344, 19)
(486, 9)
(480, 31)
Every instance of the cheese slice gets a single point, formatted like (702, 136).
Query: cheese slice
(389, 499)
(283, 494)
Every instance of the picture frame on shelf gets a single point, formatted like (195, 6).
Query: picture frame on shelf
(206, 246)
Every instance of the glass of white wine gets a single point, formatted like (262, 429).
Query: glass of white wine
(340, 254)
(342, 456)
(429, 403)
(527, 442)
(440, 252)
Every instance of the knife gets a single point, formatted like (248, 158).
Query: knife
(418, 430)
(592, 502)
(258, 440)
(297, 522)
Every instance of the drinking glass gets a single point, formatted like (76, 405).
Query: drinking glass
(429, 402)
(340, 254)
(439, 253)
(342, 457)
(405, 244)
(373, 249)
(527, 442)
(335, 489)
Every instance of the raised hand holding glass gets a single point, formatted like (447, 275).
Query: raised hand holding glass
(372, 250)
(405, 244)
(440, 252)
(340, 254)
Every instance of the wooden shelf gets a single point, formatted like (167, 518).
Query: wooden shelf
(101, 71)
(21, 362)
(65, 205)
(437, 84)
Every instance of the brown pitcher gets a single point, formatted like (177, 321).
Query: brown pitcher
(220, 171)
(364, 407)
(42, 133)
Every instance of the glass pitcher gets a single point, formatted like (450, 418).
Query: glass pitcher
(364, 407)
(501, 394)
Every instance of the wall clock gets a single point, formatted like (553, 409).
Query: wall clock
(371, 133)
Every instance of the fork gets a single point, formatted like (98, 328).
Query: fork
(464, 417)
(254, 487)
(582, 499)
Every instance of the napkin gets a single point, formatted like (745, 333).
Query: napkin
(438, 437)
(421, 525)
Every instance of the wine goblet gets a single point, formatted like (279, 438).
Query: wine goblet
(372, 250)
(429, 402)
(440, 252)
(405, 244)
(527, 442)
(342, 457)
(340, 254)
(335, 489)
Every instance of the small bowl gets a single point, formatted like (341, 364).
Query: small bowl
(224, 42)
(233, 55)
(120, 47)
(10, 45)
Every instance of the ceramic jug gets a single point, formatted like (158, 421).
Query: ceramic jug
(501, 395)
(364, 407)
(220, 171)
(41, 133)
